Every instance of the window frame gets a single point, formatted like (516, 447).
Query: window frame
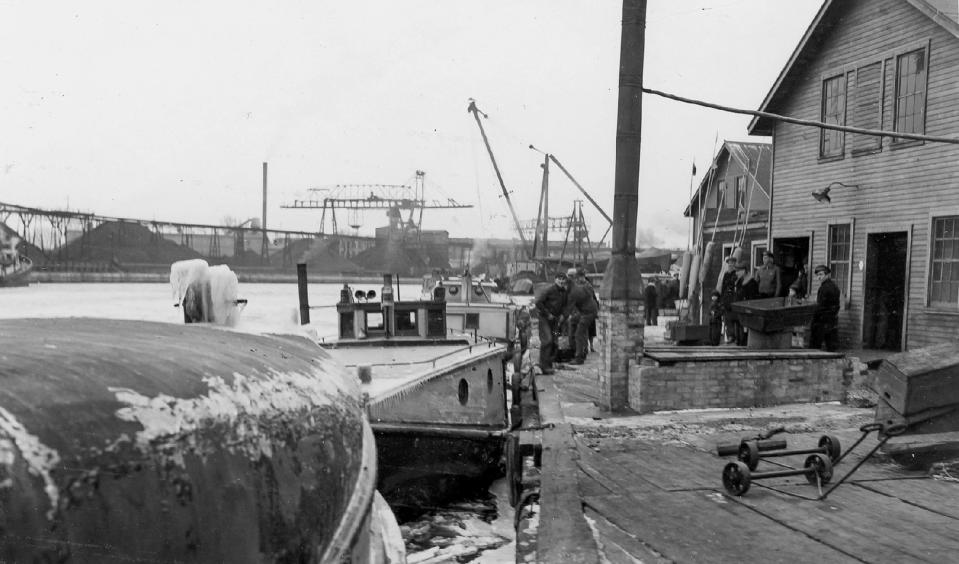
(930, 303)
(842, 78)
(896, 61)
(845, 288)
(881, 97)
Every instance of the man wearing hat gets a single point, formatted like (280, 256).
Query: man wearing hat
(769, 277)
(825, 321)
(727, 295)
(583, 306)
(550, 305)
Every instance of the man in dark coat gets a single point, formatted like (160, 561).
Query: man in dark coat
(825, 322)
(582, 301)
(651, 303)
(550, 305)
(727, 295)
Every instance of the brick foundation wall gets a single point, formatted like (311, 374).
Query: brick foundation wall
(735, 383)
(620, 326)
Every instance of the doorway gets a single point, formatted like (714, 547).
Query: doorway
(792, 255)
(884, 295)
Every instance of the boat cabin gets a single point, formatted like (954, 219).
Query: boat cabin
(388, 318)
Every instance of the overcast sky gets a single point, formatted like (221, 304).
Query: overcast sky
(167, 110)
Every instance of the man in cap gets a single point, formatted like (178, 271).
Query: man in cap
(582, 304)
(769, 277)
(727, 295)
(550, 305)
(825, 321)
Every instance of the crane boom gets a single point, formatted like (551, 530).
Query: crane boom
(475, 111)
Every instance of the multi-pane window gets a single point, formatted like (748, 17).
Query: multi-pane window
(840, 255)
(740, 191)
(866, 110)
(911, 92)
(721, 190)
(944, 281)
(831, 142)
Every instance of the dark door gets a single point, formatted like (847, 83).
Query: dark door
(792, 255)
(885, 290)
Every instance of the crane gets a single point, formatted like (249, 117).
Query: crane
(395, 198)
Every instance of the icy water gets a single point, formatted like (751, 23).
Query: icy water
(470, 531)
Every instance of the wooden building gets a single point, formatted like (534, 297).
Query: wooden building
(881, 211)
(731, 207)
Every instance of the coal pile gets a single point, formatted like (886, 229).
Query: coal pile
(322, 255)
(124, 242)
(395, 258)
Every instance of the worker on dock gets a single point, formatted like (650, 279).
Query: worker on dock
(825, 322)
(769, 276)
(582, 301)
(550, 306)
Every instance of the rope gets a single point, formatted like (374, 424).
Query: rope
(805, 122)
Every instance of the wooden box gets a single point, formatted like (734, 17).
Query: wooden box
(920, 379)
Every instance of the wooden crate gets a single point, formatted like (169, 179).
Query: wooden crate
(921, 379)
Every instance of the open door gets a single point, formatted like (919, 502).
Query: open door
(884, 294)
(792, 254)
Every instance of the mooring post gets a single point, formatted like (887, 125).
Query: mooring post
(304, 295)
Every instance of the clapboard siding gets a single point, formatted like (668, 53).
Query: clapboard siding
(901, 186)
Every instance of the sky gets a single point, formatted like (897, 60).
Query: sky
(167, 110)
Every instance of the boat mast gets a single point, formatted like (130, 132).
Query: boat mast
(519, 229)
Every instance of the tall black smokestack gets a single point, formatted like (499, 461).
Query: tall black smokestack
(622, 279)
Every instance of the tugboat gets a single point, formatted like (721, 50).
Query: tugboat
(436, 398)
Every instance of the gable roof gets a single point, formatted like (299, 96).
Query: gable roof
(940, 11)
(747, 154)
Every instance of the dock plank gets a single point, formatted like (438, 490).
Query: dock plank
(618, 545)
(876, 528)
(668, 467)
(938, 496)
(707, 527)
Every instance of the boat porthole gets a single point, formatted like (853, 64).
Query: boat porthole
(489, 380)
(464, 392)
(478, 290)
(454, 290)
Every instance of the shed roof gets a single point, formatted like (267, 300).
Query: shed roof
(943, 12)
(747, 154)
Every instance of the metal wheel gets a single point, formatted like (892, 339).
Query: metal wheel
(736, 478)
(822, 466)
(749, 454)
(831, 444)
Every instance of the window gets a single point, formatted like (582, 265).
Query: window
(721, 190)
(759, 250)
(831, 142)
(911, 92)
(867, 106)
(840, 256)
(740, 192)
(944, 281)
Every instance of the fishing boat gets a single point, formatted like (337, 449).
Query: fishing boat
(132, 441)
(477, 306)
(436, 397)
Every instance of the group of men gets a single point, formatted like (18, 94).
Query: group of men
(766, 282)
(568, 303)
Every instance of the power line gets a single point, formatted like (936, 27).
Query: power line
(806, 122)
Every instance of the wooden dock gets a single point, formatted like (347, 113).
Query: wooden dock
(648, 488)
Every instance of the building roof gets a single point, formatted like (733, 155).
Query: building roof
(747, 154)
(943, 12)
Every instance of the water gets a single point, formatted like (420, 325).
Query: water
(273, 308)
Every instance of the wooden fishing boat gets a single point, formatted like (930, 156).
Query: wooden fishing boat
(436, 398)
(134, 441)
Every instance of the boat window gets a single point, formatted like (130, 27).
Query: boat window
(374, 321)
(436, 323)
(463, 392)
(472, 321)
(489, 380)
(406, 322)
(347, 328)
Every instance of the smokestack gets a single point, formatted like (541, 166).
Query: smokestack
(622, 280)
(265, 247)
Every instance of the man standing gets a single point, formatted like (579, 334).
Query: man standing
(550, 305)
(651, 303)
(769, 276)
(582, 300)
(727, 295)
(825, 321)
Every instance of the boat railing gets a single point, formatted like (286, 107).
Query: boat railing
(490, 343)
